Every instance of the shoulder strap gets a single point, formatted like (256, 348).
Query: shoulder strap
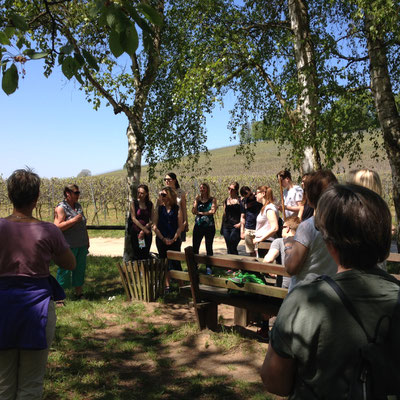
(346, 302)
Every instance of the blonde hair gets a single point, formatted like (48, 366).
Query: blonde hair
(268, 196)
(171, 194)
(369, 179)
(292, 222)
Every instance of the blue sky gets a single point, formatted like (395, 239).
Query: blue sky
(49, 126)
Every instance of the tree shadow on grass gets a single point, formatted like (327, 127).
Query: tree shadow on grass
(133, 366)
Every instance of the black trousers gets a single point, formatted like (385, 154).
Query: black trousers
(200, 232)
(141, 253)
(162, 252)
(232, 239)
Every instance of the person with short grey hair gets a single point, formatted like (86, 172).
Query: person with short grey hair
(315, 342)
(27, 290)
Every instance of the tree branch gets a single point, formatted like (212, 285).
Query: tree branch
(290, 113)
(135, 70)
(118, 107)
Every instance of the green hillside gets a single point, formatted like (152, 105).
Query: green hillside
(267, 161)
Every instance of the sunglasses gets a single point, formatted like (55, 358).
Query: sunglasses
(167, 179)
(76, 192)
(163, 194)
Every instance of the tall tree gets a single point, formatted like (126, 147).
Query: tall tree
(271, 55)
(382, 91)
(117, 51)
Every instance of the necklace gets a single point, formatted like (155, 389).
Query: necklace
(19, 217)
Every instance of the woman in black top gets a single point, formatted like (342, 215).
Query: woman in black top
(231, 219)
(140, 224)
(204, 208)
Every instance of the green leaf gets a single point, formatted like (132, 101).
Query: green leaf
(10, 32)
(67, 49)
(38, 56)
(69, 67)
(29, 52)
(80, 60)
(130, 40)
(95, 9)
(79, 79)
(110, 20)
(151, 14)
(115, 44)
(9, 82)
(4, 39)
(90, 60)
(19, 22)
(144, 26)
(20, 42)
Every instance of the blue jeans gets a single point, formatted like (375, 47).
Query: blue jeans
(232, 239)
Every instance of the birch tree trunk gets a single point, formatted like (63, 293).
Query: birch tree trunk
(133, 168)
(307, 78)
(386, 109)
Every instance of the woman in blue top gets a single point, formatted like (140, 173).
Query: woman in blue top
(204, 208)
(168, 225)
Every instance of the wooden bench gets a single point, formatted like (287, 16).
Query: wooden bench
(208, 291)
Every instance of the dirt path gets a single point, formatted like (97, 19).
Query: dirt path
(114, 246)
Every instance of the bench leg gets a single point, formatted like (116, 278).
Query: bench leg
(207, 315)
(241, 317)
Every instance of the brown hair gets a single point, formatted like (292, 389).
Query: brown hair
(269, 197)
(317, 183)
(23, 187)
(357, 222)
(206, 185)
(284, 174)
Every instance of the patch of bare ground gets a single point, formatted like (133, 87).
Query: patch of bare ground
(187, 349)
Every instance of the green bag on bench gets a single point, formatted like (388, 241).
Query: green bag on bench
(244, 277)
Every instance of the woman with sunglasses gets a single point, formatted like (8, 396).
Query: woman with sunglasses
(172, 181)
(231, 219)
(168, 225)
(69, 217)
(140, 222)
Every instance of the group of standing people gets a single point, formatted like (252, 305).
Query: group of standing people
(252, 216)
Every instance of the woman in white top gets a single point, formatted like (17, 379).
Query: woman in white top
(267, 219)
(172, 181)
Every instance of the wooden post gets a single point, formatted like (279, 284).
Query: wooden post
(282, 199)
(206, 313)
(124, 280)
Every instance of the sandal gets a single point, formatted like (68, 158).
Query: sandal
(60, 303)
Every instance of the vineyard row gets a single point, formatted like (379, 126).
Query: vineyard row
(105, 199)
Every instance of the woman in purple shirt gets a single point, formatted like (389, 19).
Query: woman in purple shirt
(27, 290)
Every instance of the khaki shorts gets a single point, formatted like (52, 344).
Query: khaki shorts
(249, 235)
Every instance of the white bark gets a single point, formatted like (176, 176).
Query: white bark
(308, 101)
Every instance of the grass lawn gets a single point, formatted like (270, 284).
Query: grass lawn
(107, 348)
